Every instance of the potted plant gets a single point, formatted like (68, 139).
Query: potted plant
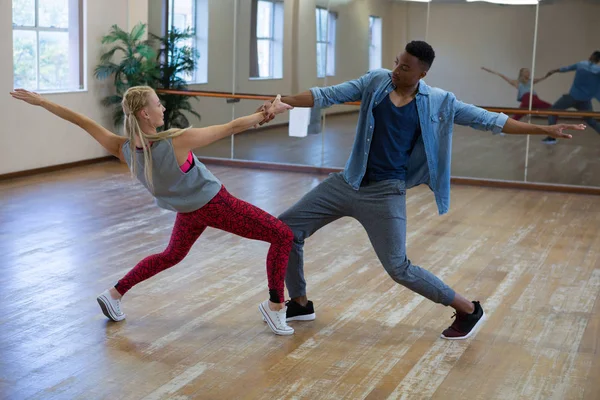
(136, 66)
(176, 60)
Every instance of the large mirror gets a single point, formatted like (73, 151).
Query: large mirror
(211, 24)
(259, 48)
(276, 54)
(486, 64)
(568, 47)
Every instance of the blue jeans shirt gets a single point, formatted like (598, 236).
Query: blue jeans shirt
(438, 110)
(586, 84)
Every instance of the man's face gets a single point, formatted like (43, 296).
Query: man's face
(407, 70)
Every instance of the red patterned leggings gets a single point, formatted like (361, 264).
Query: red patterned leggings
(230, 214)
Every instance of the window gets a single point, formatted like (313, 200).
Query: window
(266, 40)
(184, 14)
(374, 43)
(326, 22)
(47, 45)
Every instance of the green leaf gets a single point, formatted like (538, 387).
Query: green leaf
(137, 32)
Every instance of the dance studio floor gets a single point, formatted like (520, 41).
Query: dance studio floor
(194, 331)
(475, 154)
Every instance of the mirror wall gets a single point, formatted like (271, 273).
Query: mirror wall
(490, 55)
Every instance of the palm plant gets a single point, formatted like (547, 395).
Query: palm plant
(176, 59)
(137, 65)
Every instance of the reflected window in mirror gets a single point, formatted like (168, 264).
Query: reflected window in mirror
(326, 27)
(266, 40)
(374, 42)
(192, 15)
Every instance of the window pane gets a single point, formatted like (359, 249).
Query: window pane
(54, 60)
(264, 58)
(24, 59)
(183, 14)
(321, 25)
(23, 12)
(264, 14)
(54, 13)
(321, 57)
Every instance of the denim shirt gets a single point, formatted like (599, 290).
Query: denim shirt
(438, 110)
(586, 84)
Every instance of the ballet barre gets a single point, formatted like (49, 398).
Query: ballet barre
(506, 110)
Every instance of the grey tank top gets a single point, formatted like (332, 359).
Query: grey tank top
(524, 88)
(174, 189)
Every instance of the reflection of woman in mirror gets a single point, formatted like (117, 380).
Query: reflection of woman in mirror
(523, 86)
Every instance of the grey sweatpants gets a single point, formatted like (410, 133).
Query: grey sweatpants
(381, 209)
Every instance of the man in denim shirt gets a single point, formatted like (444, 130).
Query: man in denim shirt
(586, 86)
(403, 139)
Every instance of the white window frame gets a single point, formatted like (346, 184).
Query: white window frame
(200, 20)
(77, 81)
(275, 41)
(329, 43)
(375, 42)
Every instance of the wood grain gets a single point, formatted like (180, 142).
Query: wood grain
(194, 331)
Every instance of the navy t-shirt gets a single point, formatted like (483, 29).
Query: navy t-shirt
(396, 132)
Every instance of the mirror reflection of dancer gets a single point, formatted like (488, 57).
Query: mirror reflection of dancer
(586, 86)
(523, 86)
(164, 163)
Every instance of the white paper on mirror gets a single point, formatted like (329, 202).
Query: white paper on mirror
(299, 121)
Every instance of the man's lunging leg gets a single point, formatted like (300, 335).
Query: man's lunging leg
(385, 223)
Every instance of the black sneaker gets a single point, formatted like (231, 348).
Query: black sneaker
(549, 140)
(465, 324)
(297, 312)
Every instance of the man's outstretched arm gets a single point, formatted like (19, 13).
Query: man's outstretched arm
(481, 119)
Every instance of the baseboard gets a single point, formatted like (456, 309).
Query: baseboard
(53, 168)
(273, 166)
(546, 187)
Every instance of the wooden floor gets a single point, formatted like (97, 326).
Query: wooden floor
(194, 331)
(475, 154)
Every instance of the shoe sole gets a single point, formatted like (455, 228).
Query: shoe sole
(308, 317)
(468, 335)
(267, 319)
(106, 309)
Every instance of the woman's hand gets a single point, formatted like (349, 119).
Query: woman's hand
(27, 96)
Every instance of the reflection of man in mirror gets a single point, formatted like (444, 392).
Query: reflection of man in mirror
(403, 139)
(586, 86)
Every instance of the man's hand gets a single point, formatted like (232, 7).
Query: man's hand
(557, 131)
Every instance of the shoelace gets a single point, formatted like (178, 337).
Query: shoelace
(118, 305)
(281, 319)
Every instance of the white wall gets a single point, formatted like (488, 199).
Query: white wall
(32, 137)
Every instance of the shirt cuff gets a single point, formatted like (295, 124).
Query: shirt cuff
(317, 96)
(499, 124)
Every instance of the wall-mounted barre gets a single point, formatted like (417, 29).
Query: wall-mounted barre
(506, 110)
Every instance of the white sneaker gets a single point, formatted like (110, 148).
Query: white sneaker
(275, 319)
(110, 307)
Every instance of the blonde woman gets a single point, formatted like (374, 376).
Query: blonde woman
(164, 163)
(523, 86)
